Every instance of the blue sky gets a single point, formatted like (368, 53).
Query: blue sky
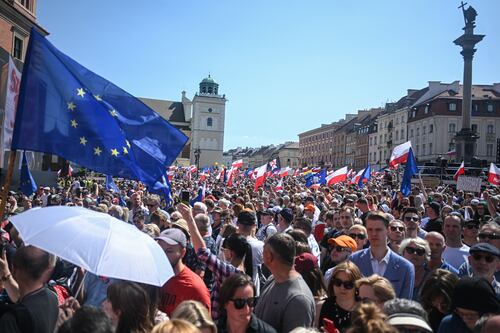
(285, 66)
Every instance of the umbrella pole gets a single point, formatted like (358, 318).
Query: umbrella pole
(81, 285)
(8, 181)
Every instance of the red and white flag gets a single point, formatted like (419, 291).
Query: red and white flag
(237, 164)
(221, 174)
(285, 172)
(279, 187)
(399, 154)
(260, 176)
(494, 175)
(193, 168)
(460, 171)
(337, 176)
(355, 179)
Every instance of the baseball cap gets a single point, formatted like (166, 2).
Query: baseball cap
(247, 217)
(182, 225)
(287, 214)
(474, 202)
(305, 262)
(310, 208)
(344, 241)
(268, 211)
(485, 247)
(173, 237)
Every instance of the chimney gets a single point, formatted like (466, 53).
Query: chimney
(183, 94)
(496, 87)
(410, 92)
(434, 85)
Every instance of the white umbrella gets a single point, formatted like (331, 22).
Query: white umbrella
(98, 242)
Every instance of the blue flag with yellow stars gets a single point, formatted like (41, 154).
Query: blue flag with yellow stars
(28, 185)
(66, 110)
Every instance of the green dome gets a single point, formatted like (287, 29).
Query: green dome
(208, 80)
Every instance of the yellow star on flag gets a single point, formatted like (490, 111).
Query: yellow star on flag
(83, 141)
(114, 152)
(125, 151)
(113, 113)
(128, 143)
(80, 92)
(71, 106)
(98, 97)
(97, 151)
(74, 123)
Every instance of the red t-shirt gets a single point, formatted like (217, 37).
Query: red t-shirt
(184, 286)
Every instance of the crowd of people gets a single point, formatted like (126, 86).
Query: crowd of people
(298, 259)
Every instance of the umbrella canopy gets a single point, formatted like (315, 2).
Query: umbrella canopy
(98, 242)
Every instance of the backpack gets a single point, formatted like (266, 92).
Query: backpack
(22, 315)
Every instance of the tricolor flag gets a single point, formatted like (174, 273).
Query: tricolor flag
(494, 175)
(399, 154)
(460, 171)
(365, 176)
(260, 177)
(337, 176)
(410, 170)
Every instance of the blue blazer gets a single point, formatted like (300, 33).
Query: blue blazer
(400, 272)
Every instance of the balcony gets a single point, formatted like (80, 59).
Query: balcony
(491, 137)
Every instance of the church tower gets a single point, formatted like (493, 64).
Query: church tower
(207, 126)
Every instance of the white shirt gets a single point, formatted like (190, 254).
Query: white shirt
(379, 267)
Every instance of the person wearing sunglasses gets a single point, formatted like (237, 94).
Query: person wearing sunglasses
(484, 259)
(237, 300)
(411, 219)
(471, 229)
(417, 251)
(342, 299)
(358, 233)
(396, 234)
(342, 247)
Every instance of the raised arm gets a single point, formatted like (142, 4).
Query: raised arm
(187, 215)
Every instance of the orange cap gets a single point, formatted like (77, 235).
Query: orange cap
(344, 241)
(310, 207)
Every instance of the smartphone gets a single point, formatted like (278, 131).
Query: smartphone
(329, 326)
(185, 197)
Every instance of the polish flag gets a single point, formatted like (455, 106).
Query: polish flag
(460, 171)
(170, 175)
(260, 177)
(231, 174)
(285, 172)
(399, 154)
(237, 164)
(350, 174)
(296, 173)
(221, 174)
(494, 175)
(279, 187)
(337, 176)
(355, 179)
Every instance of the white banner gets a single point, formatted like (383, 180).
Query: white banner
(469, 184)
(11, 97)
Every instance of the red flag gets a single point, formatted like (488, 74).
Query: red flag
(337, 176)
(261, 176)
(460, 171)
(400, 154)
(494, 175)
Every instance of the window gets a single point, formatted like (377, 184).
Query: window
(426, 109)
(17, 51)
(375, 141)
(27, 4)
(431, 128)
(490, 129)
(418, 150)
(452, 106)
(397, 135)
(411, 133)
(413, 113)
(451, 128)
(424, 130)
(490, 107)
(209, 122)
(418, 131)
(489, 149)
(475, 107)
(423, 149)
(474, 128)
(430, 148)
(210, 110)
(402, 134)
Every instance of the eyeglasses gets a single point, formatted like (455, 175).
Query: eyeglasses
(472, 226)
(410, 219)
(489, 236)
(400, 229)
(239, 303)
(151, 205)
(419, 251)
(341, 249)
(346, 284)
(358, 236)
(487, 257)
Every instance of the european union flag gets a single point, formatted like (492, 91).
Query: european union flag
(410, 170)
(66, 110)
(163, 189)
(318, 178)
(110, 184)
(28, 185)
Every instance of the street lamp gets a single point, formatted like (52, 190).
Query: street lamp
(197, 153)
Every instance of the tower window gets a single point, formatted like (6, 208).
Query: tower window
(210, 110)
(18, 48)
(209, 122)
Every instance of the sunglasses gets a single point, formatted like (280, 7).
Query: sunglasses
(489, 236)
(411, 250)
(472, 226)
(341, 249)
(239, 303)
(487, 257)
(358, 236)
(400, 229)
(346, 284)
(410, 219)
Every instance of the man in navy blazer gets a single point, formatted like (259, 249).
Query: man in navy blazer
(379, 259)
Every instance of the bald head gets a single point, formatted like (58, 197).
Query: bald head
(492, 325)
(436, 244)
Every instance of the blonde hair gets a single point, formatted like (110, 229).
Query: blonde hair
(359, 227)
(175, 326)
(195, 313)
(368, 318)
(419, 242)
(381, 286)
(152, 230)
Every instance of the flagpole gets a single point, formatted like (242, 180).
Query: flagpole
(8, 181)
